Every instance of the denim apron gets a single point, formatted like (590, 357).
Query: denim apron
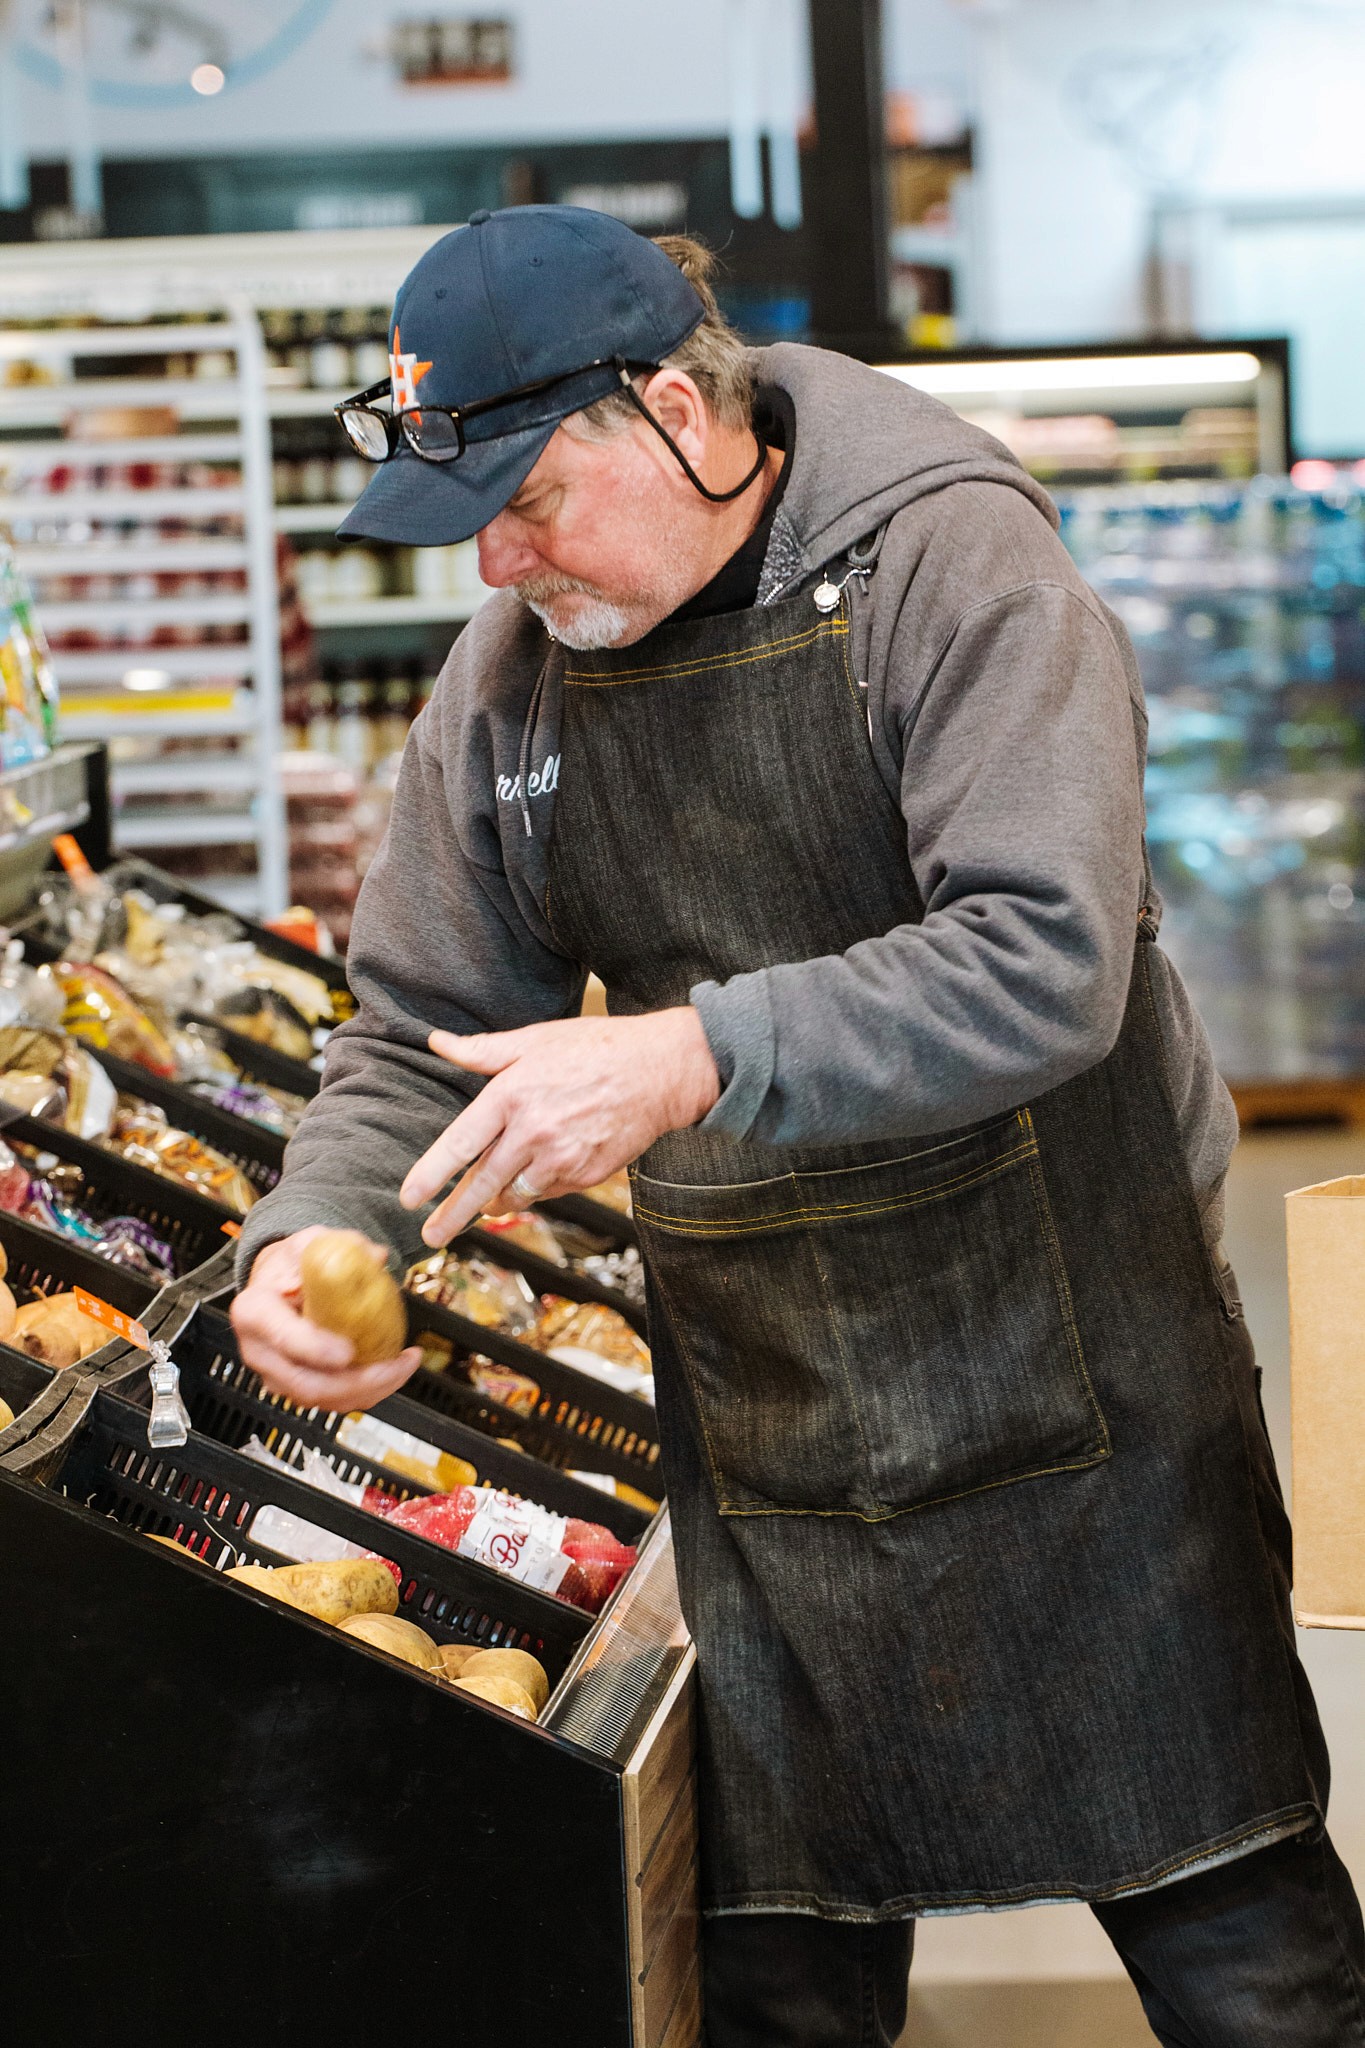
(977, 1526)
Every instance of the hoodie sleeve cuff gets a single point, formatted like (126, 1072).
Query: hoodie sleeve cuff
(280, 1216)
(738, 1021)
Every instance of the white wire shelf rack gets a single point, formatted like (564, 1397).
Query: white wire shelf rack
(66, 493)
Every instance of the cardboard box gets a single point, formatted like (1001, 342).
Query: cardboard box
(1326, 1228)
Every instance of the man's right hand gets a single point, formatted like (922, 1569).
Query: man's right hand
(308, 1365)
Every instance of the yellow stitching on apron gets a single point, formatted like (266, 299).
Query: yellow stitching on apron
(1062, 1282)
(847, 651)
(706, 1226)
(772, 1180)
(828, 629)
(937, 1500)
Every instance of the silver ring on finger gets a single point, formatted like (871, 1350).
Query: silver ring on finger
(521, 1190)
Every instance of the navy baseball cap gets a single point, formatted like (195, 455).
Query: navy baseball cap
(515, 298)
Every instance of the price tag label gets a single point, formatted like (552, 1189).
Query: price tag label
(113, 1319)
(78, 868)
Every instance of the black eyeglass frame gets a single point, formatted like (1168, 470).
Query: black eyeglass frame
(393, 422)
(395, 427)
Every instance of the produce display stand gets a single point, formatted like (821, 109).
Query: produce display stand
(228, 1402)
(250, 1804)
(253, 1823)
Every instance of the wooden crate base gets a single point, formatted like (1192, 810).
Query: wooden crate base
(1262, 1105)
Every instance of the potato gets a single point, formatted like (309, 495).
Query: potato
(6, 1413)
(339, 1588)
(399, 1638)
(8, 1313)
(455, 1656)
(348, 1288)
(53, 1330)
(501, 1692)
(264, 1580)
(518, 1665)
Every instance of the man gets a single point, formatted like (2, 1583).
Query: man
(797, 725)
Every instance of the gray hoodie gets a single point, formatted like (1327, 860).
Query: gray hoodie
(1005, 711)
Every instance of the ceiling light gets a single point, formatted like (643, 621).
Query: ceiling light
(146, 679)
(1079, 373)
(208, 79)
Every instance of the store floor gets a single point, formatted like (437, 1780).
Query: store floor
(1046, 1978)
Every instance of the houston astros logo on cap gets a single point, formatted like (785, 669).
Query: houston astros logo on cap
(406, 372)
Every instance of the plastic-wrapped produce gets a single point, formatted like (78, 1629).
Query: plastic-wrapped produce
(142, 1134)
(578, 1561)
(598, 1341)
(47, 1191)
(102, 1012)
(494, 1296)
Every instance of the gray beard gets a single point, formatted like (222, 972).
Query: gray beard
(597, 624)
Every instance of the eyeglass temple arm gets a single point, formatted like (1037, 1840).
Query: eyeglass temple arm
(383, 389)
(713, 497)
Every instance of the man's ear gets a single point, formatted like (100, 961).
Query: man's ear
(678, 406)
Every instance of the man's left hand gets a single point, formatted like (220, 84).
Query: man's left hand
(567, 1105)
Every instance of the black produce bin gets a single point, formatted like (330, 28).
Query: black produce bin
(257, 1151)
(577, 1422)
(190, 1223)
(228, 1402)
(263, 1831)
(546, 1277)
(40, 1262)
(164, 888)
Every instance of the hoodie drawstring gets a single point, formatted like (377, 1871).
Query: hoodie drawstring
(527, 737)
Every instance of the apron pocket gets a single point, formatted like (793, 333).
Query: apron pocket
(876, 1338)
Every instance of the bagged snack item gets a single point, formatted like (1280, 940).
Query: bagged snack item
(268, 1017)
(48, 1192)
(274, 1109)
(512, 1389)
(597, 1341)
(493, 1296)
(578, 1561)
(99, 1010)
(47, 1075)
(142, 1134)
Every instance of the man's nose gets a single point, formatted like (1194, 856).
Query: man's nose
(504, 556)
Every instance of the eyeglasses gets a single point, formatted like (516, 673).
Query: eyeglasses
(436, 432)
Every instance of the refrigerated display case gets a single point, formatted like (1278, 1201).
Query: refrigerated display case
(1246, 605)
(1122, 412)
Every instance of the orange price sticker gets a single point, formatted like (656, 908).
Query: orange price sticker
(230, 1229)
(113, 1319)
(78, 868)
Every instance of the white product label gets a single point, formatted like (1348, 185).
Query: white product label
(603, 1481)
(624, 1378)
(371, 1438)
(514, 1512)
(493, 1539)
(290, 1536)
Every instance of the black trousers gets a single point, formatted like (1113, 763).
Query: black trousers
(1264, 1952)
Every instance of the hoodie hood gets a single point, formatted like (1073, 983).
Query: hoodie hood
(868, 445)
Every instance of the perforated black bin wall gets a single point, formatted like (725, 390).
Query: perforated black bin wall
(240, 1825)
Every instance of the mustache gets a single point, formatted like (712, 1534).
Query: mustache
(542, 589)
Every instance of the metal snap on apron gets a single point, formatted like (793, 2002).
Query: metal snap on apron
(977, 1526)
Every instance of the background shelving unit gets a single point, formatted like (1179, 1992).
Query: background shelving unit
(152, 557)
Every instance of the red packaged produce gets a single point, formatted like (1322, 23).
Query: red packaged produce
(577, 1561)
